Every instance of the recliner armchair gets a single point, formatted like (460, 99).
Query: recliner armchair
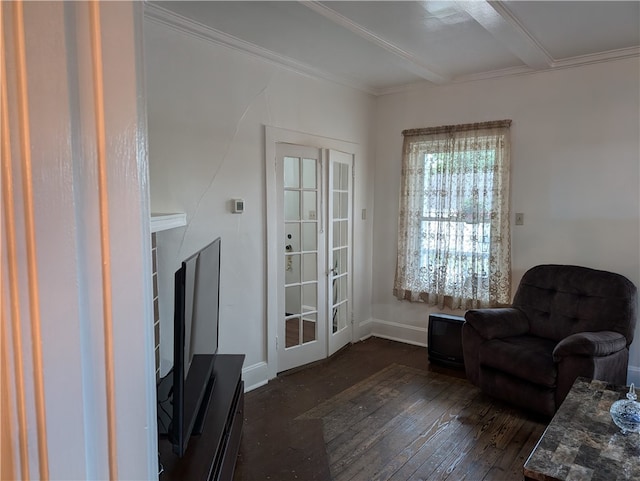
(564, 322)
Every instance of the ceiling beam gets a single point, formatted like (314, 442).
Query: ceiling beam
(507, 29)
(410, 61)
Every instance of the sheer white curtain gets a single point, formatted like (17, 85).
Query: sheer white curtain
(453, 229)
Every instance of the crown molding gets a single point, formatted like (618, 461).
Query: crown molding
(162, 16)
(599, 57)
(570, 62)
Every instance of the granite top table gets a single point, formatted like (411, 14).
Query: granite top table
(582, 442)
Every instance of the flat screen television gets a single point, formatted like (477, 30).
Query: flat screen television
(195, 344)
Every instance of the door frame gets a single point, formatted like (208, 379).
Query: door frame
(273, 136)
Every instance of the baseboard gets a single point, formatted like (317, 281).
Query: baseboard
(255, 376)
(364, 329)
(395, 331)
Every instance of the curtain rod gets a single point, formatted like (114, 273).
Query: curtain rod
(494, 124)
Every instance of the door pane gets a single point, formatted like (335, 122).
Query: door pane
(340, 233)
(292, 237)
(309, 297)
(309, 328)
(309, 173)
(342, 289)
(309, 267)
(292, 300)
(291, 205)
(344, 233)
(293, 271)
(341, 177)
(344, 205)
(309, 236)
(344, 177)
(309, 205)
(336, 290)
(336, 205)
(340, 261)
(292, 331)
(291, 172)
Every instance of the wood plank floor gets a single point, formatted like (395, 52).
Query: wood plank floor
(379, 411)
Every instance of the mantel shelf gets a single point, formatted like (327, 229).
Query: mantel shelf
(160, 222)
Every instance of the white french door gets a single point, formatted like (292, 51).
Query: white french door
(340, 182)
(302, 331)
(314, 202)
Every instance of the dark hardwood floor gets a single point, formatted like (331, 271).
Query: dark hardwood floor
(379, 411)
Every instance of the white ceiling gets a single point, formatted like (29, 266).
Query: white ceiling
(380, 46)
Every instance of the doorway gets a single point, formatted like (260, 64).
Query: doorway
(309, 233)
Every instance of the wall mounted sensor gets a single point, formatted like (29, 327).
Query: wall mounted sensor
(237, 206)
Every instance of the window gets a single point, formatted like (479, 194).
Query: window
(453, 239)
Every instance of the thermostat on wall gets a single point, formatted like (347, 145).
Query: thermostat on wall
(238, 206)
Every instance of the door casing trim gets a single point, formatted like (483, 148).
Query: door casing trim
(273, 136)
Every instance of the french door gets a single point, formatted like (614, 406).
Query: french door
(314, 261)
(302, 333)
(339, 238)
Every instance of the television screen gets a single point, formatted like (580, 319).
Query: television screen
(190, 267)
(196, 319)
(201, 337)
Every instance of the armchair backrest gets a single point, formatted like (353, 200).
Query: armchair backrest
(560, 300)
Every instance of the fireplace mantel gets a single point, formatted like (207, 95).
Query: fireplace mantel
(160, 222)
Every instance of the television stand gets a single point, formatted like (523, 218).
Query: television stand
(211, 456)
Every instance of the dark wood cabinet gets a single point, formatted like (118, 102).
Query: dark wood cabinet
(211, 455)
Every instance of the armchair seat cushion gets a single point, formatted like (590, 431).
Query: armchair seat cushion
(524, 357)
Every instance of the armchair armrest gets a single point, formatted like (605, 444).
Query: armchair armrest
(498, 322)
(591, 344)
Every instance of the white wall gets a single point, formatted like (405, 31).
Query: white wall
(207, 108)
(575, 173)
